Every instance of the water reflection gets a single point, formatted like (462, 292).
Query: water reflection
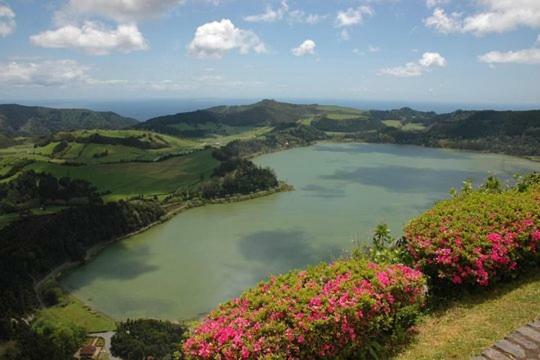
(406, 179)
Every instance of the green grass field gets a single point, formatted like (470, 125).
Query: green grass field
(465, 327)
(125, 180)
(405, 127)
(74, 311)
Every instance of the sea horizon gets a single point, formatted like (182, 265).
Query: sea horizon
(144, 109)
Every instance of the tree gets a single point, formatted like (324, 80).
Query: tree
(138, 339)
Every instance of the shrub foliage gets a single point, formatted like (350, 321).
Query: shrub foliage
(342, 310)
(478, 237)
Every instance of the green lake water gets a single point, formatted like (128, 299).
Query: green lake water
(205, 256)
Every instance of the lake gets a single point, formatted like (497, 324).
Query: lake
(185, 267)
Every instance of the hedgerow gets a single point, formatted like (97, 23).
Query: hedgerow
(341, 310)
(479, 237)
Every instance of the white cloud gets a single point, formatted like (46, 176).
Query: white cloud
(430, 59)
(373, 49)
(353, 16)
(42, 73)
(93, 38)
(526, 56)
(434, 3)
(306, 48)
(270, 15)
(284, 12)
(299, 16)
(496, 16)
(7, 20)
(119, 10)
(414, 69)
(215, 39)
(444, 23)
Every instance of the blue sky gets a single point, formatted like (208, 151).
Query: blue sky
(476, 51)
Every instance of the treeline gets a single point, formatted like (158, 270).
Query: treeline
(282, 137)
(31, 189)
(509, 132)
(32, 247)
(96, 138)
(238, 176)
(43, 340)
(520, 145)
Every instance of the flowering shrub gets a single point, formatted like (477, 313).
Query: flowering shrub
(329, 311)
(477, 238)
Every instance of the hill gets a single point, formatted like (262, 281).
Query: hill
(226, 120)
(18, 120)
(508, 132)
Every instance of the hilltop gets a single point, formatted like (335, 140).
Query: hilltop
(228, 119)
(19, 120)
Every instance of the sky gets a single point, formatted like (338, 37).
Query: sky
(473, 51)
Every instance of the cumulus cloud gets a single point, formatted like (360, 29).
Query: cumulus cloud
(119, 10)
(215, 39)
(93, 38)
(428, 61)
(7, 20)
(353, 16)
(306, 48)
(496, 16)
(284, 12)
(526, 56)
(43, 73)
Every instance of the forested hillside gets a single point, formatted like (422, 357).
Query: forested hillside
(18, 120)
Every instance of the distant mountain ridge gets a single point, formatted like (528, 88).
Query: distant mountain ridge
(263, 113)
(19, 120)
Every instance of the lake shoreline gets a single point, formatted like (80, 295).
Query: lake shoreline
(94, 251)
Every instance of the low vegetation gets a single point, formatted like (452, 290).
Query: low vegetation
(463, 327)
(343, 310)
(64, 309)
(478, 237)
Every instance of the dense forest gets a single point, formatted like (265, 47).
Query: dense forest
(31, 247)
(31, 190)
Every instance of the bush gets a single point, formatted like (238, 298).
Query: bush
(144, 338)
(477, 238)
(342, 310)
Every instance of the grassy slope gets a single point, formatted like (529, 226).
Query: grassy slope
(131, 179)
(74, 311)
(467, 326)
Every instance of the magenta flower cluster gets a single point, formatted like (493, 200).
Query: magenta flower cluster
(477, 239)
(332, 310)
